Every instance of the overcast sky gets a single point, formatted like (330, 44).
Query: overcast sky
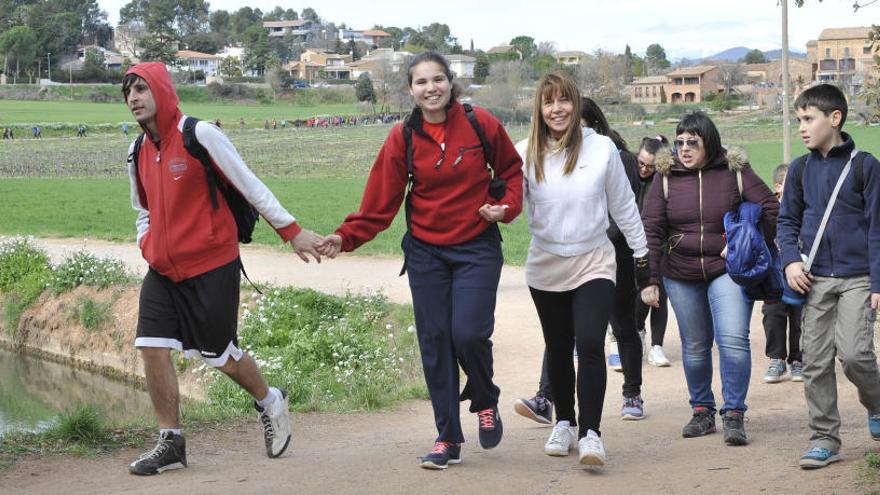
(685, 28)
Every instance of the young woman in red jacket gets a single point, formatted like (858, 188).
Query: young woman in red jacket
(452, 248)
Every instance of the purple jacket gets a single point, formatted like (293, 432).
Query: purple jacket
(686, 232)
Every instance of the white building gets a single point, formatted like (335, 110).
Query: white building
(462, 66)
(188, 60)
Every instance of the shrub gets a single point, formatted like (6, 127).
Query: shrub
(24, 269)
(92, 314)
(84, 268)
(82, 425)
(350, 353)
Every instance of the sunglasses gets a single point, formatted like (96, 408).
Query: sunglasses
(691, 143)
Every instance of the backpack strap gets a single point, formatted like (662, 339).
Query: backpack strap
(194, 148)
(410, 167)
(135, 152)
(484, 142)
(859, 171)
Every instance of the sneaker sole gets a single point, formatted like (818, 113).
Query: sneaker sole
(774, 380)
(281, 452)
(659, 365)
(797, 379)
(592, 460)
(557, 453)
(697, 435)
(170, 467)
(432, 466)
(632, 417)
(524, 411)
(816, 463)
(736, 441)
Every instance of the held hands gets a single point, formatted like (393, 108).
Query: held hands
(306, 242)
(651, 296)
(330, 245)
(492, 213)
(799, 280)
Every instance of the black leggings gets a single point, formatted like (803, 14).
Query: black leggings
(659, 317)
(623, 320)
(580, 315)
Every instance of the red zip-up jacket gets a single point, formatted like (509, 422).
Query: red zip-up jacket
(180, 233)
(449, 186)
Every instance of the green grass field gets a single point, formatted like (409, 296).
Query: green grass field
(78, 187)
(74, 112)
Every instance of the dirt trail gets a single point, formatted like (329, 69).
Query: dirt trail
(376, 452)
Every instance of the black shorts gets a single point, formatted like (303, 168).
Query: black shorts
(198, 316)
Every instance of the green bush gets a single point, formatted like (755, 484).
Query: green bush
(84, 268)
(343, 354)
(92, 314)
(83, 425)
(24, 270)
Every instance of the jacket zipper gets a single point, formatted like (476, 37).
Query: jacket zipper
(702, 226)
(165, 216)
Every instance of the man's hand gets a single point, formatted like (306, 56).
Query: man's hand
(875, 301)
(492, 213)
(330, 245)
(306, 242)
(651, 296)
(797, 279)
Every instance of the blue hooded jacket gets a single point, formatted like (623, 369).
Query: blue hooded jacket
(851, 243)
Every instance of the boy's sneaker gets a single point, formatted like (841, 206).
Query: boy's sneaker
(874, 426)
(561, 440)
(775, 372)
(702, 423)
(591, 451)
(275, 421)
(537, 409)
(818, 457)
(491, 428)
(633, 409)
(734, 428)
(614, 357)
(796, 368)
(443, 454)
(657, 358)
(169, 453)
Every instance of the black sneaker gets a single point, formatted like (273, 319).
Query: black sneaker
(538, 409)
(168, 454)
(702, 423)
(490, 427)
(734, 430)
(444, 454)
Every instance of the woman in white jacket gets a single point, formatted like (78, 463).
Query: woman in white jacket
(573, 181)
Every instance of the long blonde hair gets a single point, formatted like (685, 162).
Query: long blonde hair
(552, 84)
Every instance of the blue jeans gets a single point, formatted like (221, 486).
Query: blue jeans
(718, 311)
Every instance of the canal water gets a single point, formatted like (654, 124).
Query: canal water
(33, 392)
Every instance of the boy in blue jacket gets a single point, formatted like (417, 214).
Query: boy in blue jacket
(843, 287)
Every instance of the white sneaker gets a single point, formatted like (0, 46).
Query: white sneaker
(591, 451)
(657, 358)
(275, 421)
(561, 440)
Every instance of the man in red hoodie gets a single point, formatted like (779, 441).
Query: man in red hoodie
(190, 295)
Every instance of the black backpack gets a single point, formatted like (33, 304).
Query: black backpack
(246, 216)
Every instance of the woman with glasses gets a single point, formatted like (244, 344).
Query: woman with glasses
(683, 220)
(645, 160)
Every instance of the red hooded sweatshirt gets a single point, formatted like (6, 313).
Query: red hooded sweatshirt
(180, 234)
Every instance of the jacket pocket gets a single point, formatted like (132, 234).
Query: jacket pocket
(673, 241)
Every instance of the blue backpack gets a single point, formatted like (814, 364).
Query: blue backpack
(750, 263)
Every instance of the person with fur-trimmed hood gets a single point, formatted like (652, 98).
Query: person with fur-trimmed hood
(683, 218)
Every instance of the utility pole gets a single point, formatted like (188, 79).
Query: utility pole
(786, 87)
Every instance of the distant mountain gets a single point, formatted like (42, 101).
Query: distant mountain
(736, 54)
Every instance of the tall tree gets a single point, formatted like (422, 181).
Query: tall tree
(628, 59)
(655, 58)
(257, 52)
(481, 67)
(309, 13)
(754, 57)
(525, 45)
(18, 46)
(364, 90)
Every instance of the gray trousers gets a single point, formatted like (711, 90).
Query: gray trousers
(838, 320)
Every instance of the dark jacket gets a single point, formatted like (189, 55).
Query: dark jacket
(630, 166)
(851, 243)
(686, 231)
(644, 187)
